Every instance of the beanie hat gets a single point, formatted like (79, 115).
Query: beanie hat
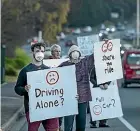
(74, 48)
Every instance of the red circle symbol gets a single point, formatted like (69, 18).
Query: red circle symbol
(104, 47)
(107, 46)
(110, 46)
(97, 110)
(52, 77)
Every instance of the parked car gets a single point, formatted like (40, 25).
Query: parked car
(131, 67)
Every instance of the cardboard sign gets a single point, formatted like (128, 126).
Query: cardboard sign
(86, 44)
(108, 61)
(105, 104)
(53, 62)
(52, 94)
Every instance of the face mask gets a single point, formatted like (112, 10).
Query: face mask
(75, 55)
(39, 56)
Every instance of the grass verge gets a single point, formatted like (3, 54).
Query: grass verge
(11, 78)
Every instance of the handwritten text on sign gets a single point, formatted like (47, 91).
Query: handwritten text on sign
(51, 92)
(105, 104)
(108, 61)
(86, 44)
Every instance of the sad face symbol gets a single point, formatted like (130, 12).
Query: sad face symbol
(52, 77)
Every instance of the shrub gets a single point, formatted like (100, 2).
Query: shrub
(10, 61)
(12, 64)
(21, 59)
(10, 70)
(20, 53)
(20, 63)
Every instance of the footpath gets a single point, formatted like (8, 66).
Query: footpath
(11, 106)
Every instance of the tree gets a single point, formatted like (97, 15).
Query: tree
(93, 12)
(23, 19)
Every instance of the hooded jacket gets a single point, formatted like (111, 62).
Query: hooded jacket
(82, 76)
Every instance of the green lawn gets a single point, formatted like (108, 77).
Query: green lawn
(10, 79)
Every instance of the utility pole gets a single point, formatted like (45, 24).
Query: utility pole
(138, 23)
(40, 36)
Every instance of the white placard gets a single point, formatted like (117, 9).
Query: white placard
(108, 61)
(105, 104)
(86, 44)
(52, 94)
(53, 62)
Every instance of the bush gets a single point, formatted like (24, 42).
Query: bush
(20, 63)
(22, 58)
(10, 61)
(20, 53)
(12, 64)
(10, 70)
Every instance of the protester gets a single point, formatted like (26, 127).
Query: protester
(56, 54)
(83, 88)
(55, 51)
(93, 80)
(22, 88)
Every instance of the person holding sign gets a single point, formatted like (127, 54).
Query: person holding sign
(22, 89)
(83, 87)
(104, 86)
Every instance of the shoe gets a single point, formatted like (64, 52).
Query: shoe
(93, 126)
(103, 125)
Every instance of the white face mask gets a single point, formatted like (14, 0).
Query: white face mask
(39, 56)
(75, 55)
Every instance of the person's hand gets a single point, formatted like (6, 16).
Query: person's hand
(77, 97)
(106, 86)
(27, 88)
(101, 86)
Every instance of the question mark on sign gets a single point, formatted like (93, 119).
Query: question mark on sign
(62, 100)
(113, 102)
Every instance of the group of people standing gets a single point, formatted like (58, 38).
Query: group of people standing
(84, 68)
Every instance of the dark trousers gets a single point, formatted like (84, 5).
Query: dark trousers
(80, 119)
(60, 121)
